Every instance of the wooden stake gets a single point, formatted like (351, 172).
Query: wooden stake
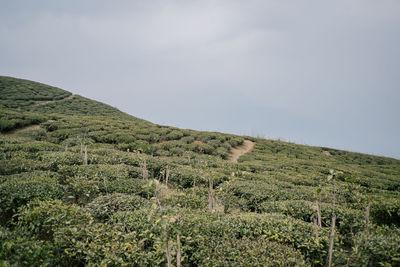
(168, 251)
(367, 212)
(85, 159)
(194, 186)
(145, 174)
(318, 214)
(331, 240)
(166, 176)
(210, 195)
(178, 251)
(316, 230)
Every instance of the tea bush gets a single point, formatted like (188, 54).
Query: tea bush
(118, 210)
(378, 246)
(182, 200)
(249, 252)
(103, 207)
(254, 193)
(12, 120)
(24, 250)
(140, 187)
(54, 160)
(44, 218)
(17, 193)
(386, 211)
(348, 221)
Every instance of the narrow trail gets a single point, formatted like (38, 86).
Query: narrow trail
(238, 151)
(35, 126)
(23, 129)
(38, 103)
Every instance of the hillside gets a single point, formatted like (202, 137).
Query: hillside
(82, 183)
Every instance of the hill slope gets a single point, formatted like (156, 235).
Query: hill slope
(84, 183)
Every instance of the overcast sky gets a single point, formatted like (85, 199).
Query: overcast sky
(323, 73)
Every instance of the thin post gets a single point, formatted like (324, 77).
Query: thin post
(210, 195)
(318, 213)
(178, 251)
(316, 230)
(331, 240)
(367, 212)
(168, 252)
(194, 186)
(85, 159)
(166, 176)
(145, 173)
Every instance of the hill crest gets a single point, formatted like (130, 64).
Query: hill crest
(86, 184)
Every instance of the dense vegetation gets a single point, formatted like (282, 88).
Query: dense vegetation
(82, 183)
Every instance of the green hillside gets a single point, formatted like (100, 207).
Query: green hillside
(82, 183)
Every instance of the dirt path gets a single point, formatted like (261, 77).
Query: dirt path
(238, 151)
(23, 129)
(35, 126)
(38, 103)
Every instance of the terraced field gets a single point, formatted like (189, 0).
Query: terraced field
(82, 183)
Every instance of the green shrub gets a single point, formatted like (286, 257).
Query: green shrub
(140, 187)
(200, 147)
(183, 177)
(22, 250)
(199, 234)
(174, 135)
(82, 190)
(284, 230)
(386, 211)
(378, 246)
(54, 160)
(253, 193)
(236, 141)
(67, 228)
(44, 218)
(10, 120)
(182, 200)
(140, 145)
(17, 193)
(247, 252)
(268, 196)
(100, 172)
(104, 206)
(299, 209)
(18, 162)
(97, 244)
(348, 221)
(32, 147)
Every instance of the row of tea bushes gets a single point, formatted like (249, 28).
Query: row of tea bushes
(66, 234)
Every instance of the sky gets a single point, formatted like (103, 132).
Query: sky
(322, 73)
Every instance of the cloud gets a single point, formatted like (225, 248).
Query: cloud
(317, 72)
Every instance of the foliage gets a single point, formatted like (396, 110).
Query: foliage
(378, 246)
(23, 250)
(386, 211)
(114, 206)
(10, 120)
(15, 193)
(104, 206)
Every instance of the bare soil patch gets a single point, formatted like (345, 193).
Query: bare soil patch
(238, 151)
(24, 129)
(38, 103)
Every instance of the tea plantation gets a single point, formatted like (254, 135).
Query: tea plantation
(82, 183)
